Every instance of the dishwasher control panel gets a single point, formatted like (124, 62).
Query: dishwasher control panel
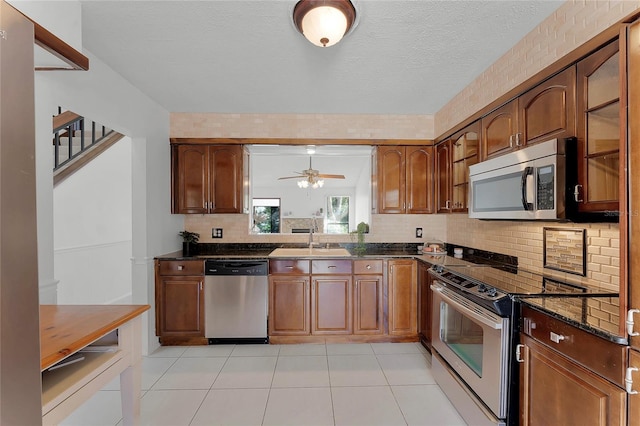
(236, 267)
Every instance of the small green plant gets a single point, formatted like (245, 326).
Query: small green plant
(189, 237)
(360, 248)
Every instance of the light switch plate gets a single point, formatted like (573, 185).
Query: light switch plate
(418, 232)
(216, 233)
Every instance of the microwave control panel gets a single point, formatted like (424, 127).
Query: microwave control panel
(545, 188)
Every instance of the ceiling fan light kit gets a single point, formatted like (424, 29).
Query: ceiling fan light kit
(311, 177)
(324, 22)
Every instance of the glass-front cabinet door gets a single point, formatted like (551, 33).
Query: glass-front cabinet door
(464, 153)
(599, 112)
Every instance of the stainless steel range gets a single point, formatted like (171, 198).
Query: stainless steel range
(475, 329)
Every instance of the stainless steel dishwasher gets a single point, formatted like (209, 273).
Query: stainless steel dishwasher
(236, 298)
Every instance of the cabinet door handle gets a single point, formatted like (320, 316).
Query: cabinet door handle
(628, 380)
(519, 350)
(180, 267)
(557, 338)
(368, 266)
(510, 141)
(629, 322)
(447, 205)
(576, 193)
(289, 267)
(200, 285)
(332, 266)
(518, 139)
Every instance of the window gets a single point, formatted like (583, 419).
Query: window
(337, 215)
(266, 215)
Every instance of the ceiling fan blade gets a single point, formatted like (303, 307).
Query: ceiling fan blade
(290, 177)
(326, 176)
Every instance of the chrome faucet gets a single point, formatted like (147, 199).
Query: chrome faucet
(311, 243)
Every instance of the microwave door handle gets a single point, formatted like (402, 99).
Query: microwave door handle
(528, 171)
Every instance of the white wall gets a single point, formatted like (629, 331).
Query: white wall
(92, 221)
(106, 97)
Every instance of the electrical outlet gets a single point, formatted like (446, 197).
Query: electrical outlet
(216, 233)
(418, 232)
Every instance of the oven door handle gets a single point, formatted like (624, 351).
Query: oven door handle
(484, 317)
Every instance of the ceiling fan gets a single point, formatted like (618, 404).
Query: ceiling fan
(312, 177)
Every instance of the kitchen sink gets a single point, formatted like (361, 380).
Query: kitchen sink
(310, 252)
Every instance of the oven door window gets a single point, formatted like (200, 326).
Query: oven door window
(463, 336)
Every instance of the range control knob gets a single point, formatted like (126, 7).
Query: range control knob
(492, 292)
(482, 288)
(438, 269)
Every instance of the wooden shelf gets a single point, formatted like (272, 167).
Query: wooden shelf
(59, 384)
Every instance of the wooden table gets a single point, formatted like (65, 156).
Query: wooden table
(110, 339)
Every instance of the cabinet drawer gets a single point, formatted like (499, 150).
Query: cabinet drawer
(181, 267)
(363, 267)
(331, 266)
(598, 355)
(289, 266)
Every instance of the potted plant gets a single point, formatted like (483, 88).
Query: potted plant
(360, 248)
(188, 239)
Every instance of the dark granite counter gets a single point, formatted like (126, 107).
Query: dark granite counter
(262, 251)
(597, 315)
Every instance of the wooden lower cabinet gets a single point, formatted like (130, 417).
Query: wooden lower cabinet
(289, 312)
(556, 391)
(337, 299)
(331, 305)
(403, 297)
(180, 301)
(634, 398)
(368, 308)
(367, 304)
(424, 304)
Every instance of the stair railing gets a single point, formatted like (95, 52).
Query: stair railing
(66, 125)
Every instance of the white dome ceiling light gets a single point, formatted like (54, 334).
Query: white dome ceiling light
(324, 22)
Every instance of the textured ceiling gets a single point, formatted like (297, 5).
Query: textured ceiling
(242, 56)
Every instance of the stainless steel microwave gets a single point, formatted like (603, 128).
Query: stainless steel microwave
(528, 184)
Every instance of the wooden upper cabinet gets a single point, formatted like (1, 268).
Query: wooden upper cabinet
(419, 179)
(207, 179)
(190, 178)
(546, 111)
(499, 129)
(391, 179)
(443, 177)
(599, 130)
(226, 179)
(403, 179)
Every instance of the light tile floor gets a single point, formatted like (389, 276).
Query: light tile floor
(332, 384)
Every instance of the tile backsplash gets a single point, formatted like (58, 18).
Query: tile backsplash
(521, 239)
(384, 228)
(525, 241)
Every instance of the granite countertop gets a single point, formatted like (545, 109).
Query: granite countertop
(597, 315)
(262, 251)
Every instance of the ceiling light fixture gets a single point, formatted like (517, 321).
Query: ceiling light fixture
(312, 182)
(324, 22)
